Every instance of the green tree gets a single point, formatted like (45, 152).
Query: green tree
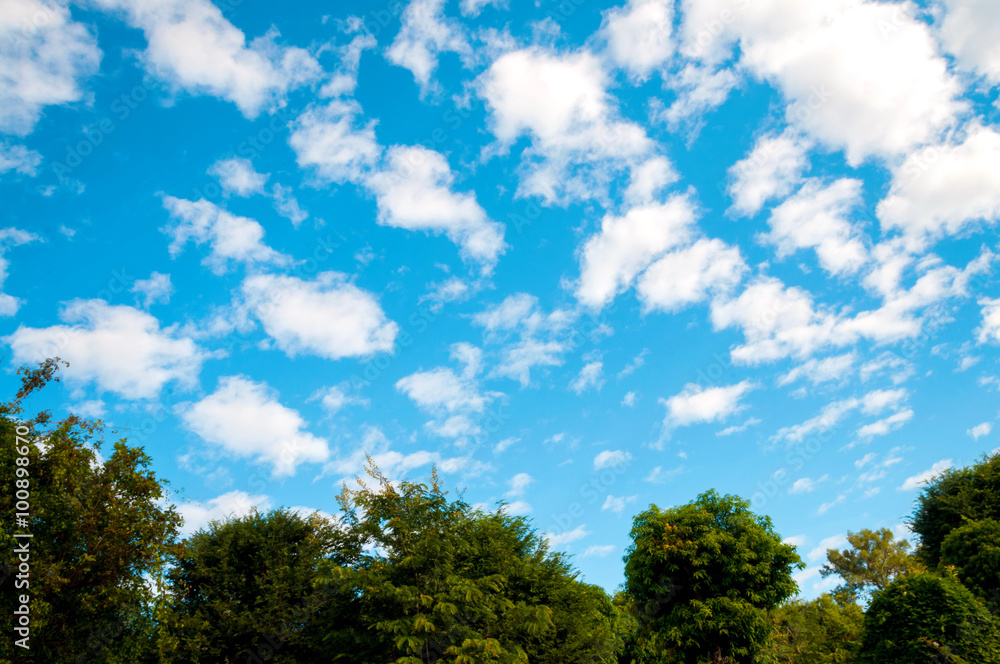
(974, 551)
(99, 529)
(924, 617)
(953, 499)
(243, 590)
(875, 558)
(703, 577)
(436, 580)
(823, 631)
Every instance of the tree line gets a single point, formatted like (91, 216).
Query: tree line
(407, 573)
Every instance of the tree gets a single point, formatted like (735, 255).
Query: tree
(98, 529)
(951, 500)
(924, 617)
(974, 551)
(435, 580)
(873, 561)
(244, 589)
(703, 577)
(823, 631)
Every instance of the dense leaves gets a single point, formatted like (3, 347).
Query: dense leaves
(925, 617)
(873, 561)
(704, 576)
(244, 587)
(98, 528)
(958, 496)
(436, 580)
(822, 631)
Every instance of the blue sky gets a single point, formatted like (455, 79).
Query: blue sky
(582, 256)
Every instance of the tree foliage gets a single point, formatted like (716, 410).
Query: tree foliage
(875, 558)
(926, 617)
(823, 631)
(951, 500)
(703, 576)
(98, 528)
(973, 550)
(434, 579)
(244, 588)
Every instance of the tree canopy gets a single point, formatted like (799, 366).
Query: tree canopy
(874, 559)
(98, 529)
(950, 501)
(704, 576)
(926, 617)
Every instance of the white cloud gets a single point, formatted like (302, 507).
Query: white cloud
(877, 401)
(578, 139)
(155, 290)
(943, 189)
(829, 417)
(826, 507)
(648, 179)
(806, 485)
(980, 430)
(590, 376)
(246, 419)
(626, 245)
(192, 46)
(694, 404)
(121, 348)
(835, 367)
(888, 93)
(329, 140)
(518, 508)
(509, 314)
(699, 90)
(11, 237)
(455, 400)
(335, 397)
(198, 514)
(777, 322)
(18, 158)
(638, 35)
(865, 460)
(689, 275)
(629, 399)
(598, 550)
(989, 330)
(899, 369)
(395, 464)
(44, 56)
(519, 484)
(772, 169)
(818, 217)
(237, 176)
(616, 505)
(231, 238)
(616, 459)
(532, 338)
(425, 33)
(557, 540)
(287, 205)
(832, 542)
(737, 428)
(440, 390)
(473, 7)
(414, 193)
(886, 425)
(659, 476)
(795, 540)
(916, 481)
(969, 31)
(328, 316)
